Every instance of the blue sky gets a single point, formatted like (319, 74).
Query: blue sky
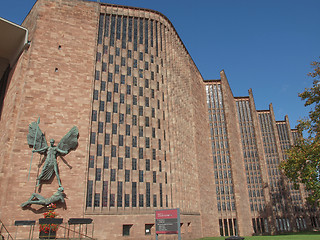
(266, 45)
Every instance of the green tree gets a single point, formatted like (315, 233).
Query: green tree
(303, 163)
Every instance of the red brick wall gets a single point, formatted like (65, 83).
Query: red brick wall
(62, 99)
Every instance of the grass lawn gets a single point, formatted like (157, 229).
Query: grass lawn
(296, 236)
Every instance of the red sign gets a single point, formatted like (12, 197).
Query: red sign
(172, 213)
(167, 221)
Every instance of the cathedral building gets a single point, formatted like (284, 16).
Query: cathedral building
(153, 134)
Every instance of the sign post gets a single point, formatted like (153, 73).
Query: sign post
(168, 222)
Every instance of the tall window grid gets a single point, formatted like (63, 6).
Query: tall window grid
(295, 195)
(251, 157)
(220, 149)
(117, 152)
(272, 158)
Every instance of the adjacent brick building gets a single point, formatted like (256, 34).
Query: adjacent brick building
(152, 133)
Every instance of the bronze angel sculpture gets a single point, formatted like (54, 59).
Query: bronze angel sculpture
(37, 140)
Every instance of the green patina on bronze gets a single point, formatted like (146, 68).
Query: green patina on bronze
(39, 200)
(37, 140)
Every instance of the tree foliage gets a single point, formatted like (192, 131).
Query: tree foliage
(303, 162)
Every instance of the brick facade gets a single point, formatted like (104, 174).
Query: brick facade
(123, 76)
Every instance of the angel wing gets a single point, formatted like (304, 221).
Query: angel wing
(70, 140)
(35, 137)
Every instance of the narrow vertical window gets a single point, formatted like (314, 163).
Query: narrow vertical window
(127, 129)
(157, 48)
(101, 106)
(134, 141)
(105, 49)
(113, 151)
(124, 32)
(112, 29)
(114, 128)
(98, 57)
(115, 107)
(140, 73)
(141, 31)
(110, 59)
(140, 175)
(130, 30)
(161, 200)
(134, 100)
(113, 175)
(154, 200)
(91, 161)
(109, 96)
(147, 194)
(127, 152)
(89, 193)
(151, 32)
(140, 110)
(147, 142)
(146, 40)
(121, 98)
(108, 117)
(100, 31)
(154, 175)
(154, 154)
(129, 89)
(140, 200)
(153, 132)
(127, 175)
(106, 27)
(140, 153)
(95, 95)
(134, 194)
(93, 138)
(98, 174)
(121, 118)
(118, 27)
(123, 79)
(126, 200)
(140, 131)
(120, 163)
(128, 109)
(120, 140)
(135, 34)
(104, 67)
(119, 195)
(105, 194)
(112, 199)
(106, 162)
(116, 69)
(147, 164)
(134, 164)
(97, 199)
(100, 127)
(134, 120)
(110, 76)
(99, 150)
